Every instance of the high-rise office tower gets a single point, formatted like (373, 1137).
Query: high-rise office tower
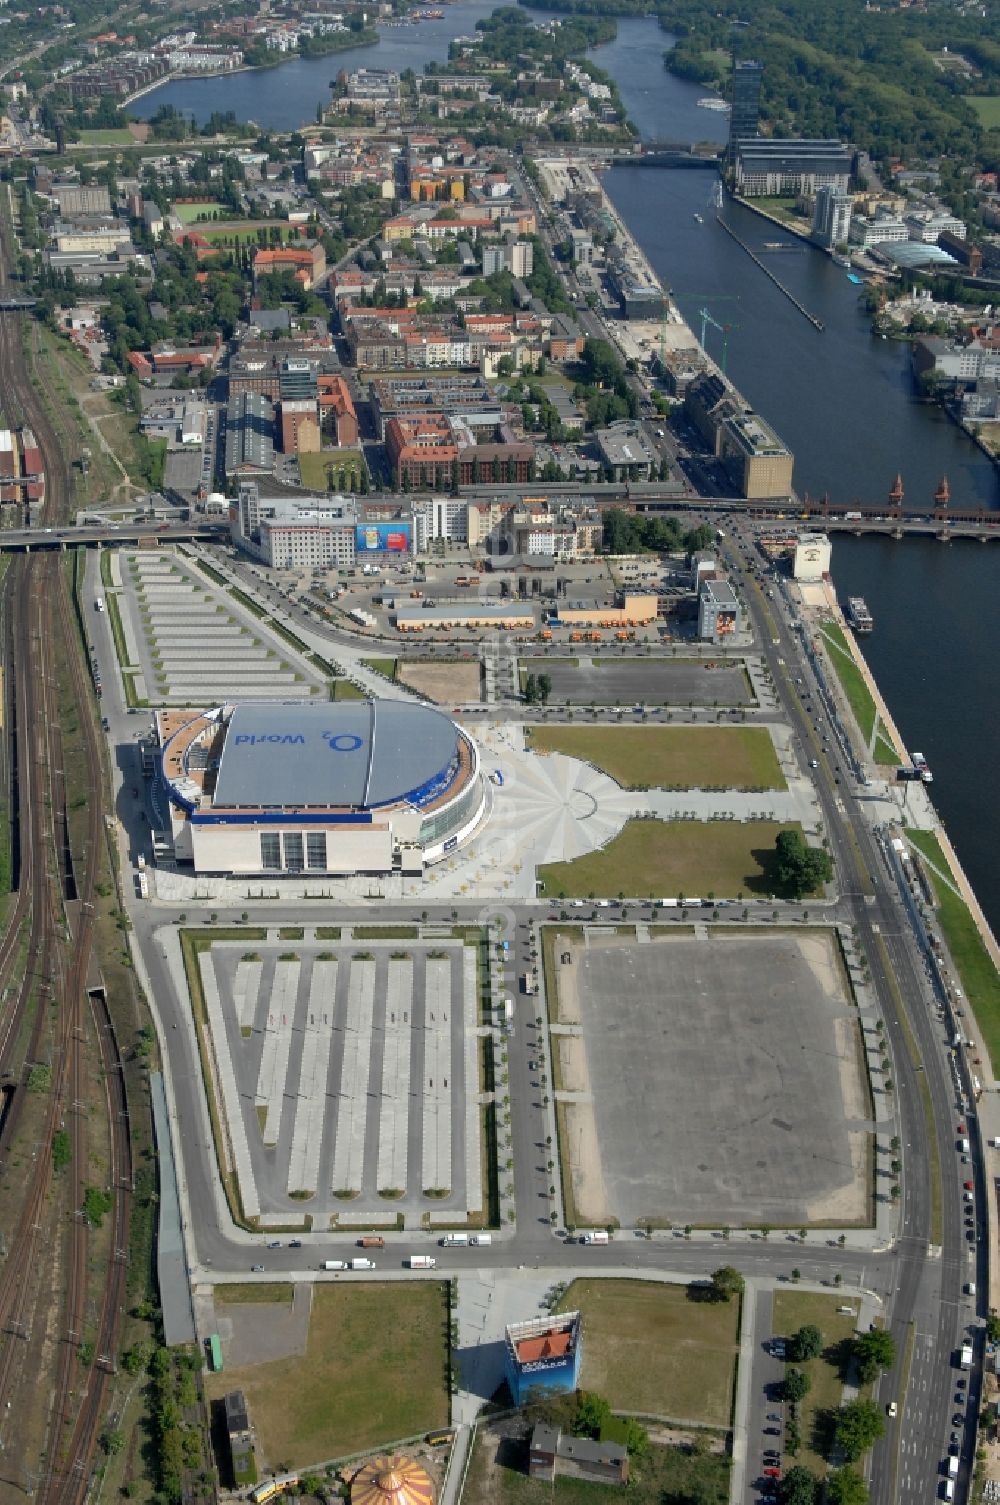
(745, 115)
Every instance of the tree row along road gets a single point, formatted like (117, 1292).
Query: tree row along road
(44, 1276)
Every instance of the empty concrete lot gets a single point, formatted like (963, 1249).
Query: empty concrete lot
(650, 681)
(719, 1080)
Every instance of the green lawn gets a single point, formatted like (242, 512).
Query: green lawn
(384, 666)
(668, 858)
(987, 107)
(190, 214)
(857, 692)
(648, 1349)
(243, 234)
(346, 689)
(980, 979)
(322, 470)
(666, 1476)
(350, 1390)
(795, 1309)
(670, 757)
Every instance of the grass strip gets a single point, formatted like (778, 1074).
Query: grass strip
(117, 632)
(193, 943)
(980, 979)
(859, 697)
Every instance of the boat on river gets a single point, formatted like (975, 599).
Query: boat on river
(858, 614)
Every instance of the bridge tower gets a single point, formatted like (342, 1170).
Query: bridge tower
(943, 494)
(896, 494)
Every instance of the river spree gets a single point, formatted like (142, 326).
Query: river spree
(844, 403)
(841, 399)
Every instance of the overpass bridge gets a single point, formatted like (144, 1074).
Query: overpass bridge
(699, 154)
(28, 540)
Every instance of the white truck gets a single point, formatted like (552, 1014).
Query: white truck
(335, 1264)
(597, 1236)
(454, 1241)
(422, 1262)
(965, 1358)
(481, 1238)
(362, 1264)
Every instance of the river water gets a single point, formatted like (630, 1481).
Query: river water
(841, 399)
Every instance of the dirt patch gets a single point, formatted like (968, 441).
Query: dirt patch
(443, 682)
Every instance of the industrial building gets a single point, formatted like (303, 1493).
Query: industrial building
(811, 560)
(240, 1436)
(506, 616)
(544, 1353)
(628, 610)
(757, 460)
(357, 787)
(553, 1455)
(249, 435)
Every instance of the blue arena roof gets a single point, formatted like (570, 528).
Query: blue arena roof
(355, 754)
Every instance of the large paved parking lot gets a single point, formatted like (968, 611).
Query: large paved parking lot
(647, 681)
(718, 1079)
(345, 1072)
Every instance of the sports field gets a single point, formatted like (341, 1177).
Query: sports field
(351, 1389)
(656, 858)
(189, 214)
(649, 1350)
(670, 757)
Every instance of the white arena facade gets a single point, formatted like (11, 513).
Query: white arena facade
(343, 788)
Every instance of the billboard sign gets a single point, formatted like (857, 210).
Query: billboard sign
(382, 538)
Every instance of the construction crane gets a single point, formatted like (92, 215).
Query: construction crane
(724, 330)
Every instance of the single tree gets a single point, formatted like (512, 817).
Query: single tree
(846, 1487)
(806, 1344)
(795, 1385)
(799, 1487)
(873, 1350)
(859, 1427)
(727, 1282)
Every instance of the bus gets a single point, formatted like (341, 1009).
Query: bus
(215, 1354)
(439, 1439)
(272, 1488)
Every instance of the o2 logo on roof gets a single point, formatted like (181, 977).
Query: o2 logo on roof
(342, 742)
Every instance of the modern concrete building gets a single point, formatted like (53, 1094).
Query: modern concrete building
(626, 452)
(719, 615)
(295, 530)
(832, 216)
(355, 787)
(770, 168)
(744, 117)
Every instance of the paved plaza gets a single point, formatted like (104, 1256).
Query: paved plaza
(713, 1077)
(188, 642)
(349, 1077)
(645, 681)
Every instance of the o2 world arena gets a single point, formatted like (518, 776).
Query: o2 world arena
(364, 786)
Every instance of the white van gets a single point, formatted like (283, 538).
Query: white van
(598, 1236)
(953, 1467)
(362, 1264)
(970, 1289)
(481, 1238)
(949, 1489)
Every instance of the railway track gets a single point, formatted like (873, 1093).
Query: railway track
(58, 957)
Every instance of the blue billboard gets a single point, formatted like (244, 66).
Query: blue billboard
(382, 538)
